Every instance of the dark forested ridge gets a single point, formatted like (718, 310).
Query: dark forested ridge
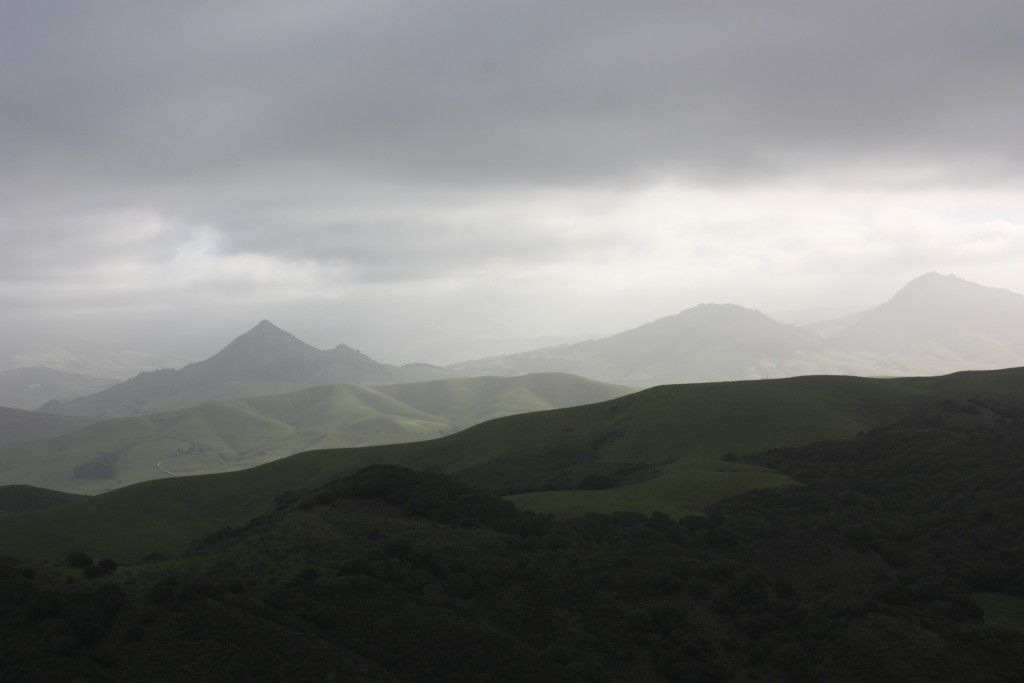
(896, 558)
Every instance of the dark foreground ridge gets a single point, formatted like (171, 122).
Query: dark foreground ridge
(24, 498)
(897, 558)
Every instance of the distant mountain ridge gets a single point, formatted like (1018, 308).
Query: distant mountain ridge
(707, 343)
(266, 352)
(936, 321)
(265, 360)
(936, 324)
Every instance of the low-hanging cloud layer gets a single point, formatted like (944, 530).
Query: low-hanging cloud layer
(381, 173)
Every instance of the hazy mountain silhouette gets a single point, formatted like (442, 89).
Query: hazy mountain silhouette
(265, 360)
(710, 342)
(936, 323)
(268, 353)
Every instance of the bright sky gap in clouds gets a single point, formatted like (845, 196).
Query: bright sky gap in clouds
(372, 172)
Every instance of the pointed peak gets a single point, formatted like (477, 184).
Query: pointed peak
(266, 326)
(721, 311)
(711, 315)
(265, 337)
(265, 329)
(937, 296)
(932, 278)
(936, 284)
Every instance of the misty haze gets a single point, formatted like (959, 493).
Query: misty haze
(600, 341)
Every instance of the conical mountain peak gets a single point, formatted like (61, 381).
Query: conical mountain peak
(264, 360)
(265, 329)
(266, 337)
(947, 293)
(266, 326)
(940, 311)
(935, 285)
(710, 311)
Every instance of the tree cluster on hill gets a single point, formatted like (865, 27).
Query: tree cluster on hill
(882, 564)
(100, 466)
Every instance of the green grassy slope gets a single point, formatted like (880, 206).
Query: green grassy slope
(684, 431)
(680, 434)
(241, 433)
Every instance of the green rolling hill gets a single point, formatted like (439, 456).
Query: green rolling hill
(230, 435)
(665, 449)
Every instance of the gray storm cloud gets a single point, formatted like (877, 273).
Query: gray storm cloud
(164, 94)
(326, 147)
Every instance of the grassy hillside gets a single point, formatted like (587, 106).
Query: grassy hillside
(238, 434)
(896, 559)
(665, 449)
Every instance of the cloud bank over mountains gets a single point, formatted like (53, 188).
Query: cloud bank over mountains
(500, 169)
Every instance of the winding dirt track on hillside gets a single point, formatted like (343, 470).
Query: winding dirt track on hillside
(161, 467)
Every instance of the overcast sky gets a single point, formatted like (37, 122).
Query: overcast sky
(391, 173)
